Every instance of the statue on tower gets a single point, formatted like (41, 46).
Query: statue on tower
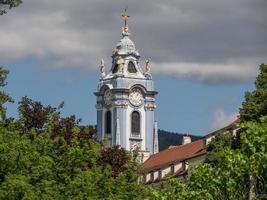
(148, 68)
(102, 68)
(120, 63)
(125, 31)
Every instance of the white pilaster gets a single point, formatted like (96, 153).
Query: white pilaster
(118, 131)
(156, 138)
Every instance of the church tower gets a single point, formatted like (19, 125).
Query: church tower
(126, 99)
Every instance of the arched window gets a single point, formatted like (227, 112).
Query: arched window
(135, 124)
(108, 123)
(115, 69)
(131, 67)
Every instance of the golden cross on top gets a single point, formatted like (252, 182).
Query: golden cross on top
(125, 16)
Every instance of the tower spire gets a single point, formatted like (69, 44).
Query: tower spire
(125, 16)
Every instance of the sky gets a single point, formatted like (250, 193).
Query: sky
(205, 54)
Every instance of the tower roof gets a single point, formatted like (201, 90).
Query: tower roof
(125, 58)
(125, 46)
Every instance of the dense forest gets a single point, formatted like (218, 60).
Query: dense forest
(167, 139)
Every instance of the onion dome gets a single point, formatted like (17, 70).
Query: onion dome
(125, 46)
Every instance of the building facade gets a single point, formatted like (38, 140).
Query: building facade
(126, 99)
(178, 161)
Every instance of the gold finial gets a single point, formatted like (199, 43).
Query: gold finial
(125, 16)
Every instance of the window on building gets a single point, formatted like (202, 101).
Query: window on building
(115, 69)
(160, 174)
(108, 122)
(131, 67)
(135, 124)
(172, 169)
(152, 176)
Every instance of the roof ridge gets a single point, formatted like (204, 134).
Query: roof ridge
(175, 147)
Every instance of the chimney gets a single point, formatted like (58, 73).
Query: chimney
(186, 139)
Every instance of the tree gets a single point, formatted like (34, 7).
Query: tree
(46, 156)
(64, 127)
(8, 4)
(4, 98)
(214, 148)
(255, 105)
(35, 165)
(254, 146)
(115, 157)
(173, 189)
(236, 174)
(88, 132)
(33, 114)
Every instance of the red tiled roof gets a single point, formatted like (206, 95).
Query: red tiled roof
(173, 155)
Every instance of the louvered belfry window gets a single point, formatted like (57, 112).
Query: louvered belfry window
(115, 69)
(135, 124)
(131, 67)
(108, 122)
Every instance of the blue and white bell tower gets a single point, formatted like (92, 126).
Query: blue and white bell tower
(126, 99)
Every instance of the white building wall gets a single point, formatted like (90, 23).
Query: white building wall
(103, 124)
(148, 177)
(209, 139)
(165, 171)
(156, 175)
(142, 128)
(177, 167)
(128, 127)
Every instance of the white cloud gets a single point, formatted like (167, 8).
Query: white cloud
(221, 119)
(185, 39)
(48, 39)
(208, 73)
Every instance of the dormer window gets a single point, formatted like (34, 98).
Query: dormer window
(131, 67)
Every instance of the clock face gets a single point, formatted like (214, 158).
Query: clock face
(107, 97)
(136, 97)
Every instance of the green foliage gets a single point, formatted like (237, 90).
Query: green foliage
(254, 146)
(173, 189)
(217, 144)
(51, 168)
(228, 173)
(8, 4)
(255, 105)
(220, 141)
(4, 98)
(227, 180)
(46, 156)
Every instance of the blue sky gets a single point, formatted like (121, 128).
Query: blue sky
(183, 106)
(202, 59)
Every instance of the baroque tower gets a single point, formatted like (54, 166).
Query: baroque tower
(126, 99)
